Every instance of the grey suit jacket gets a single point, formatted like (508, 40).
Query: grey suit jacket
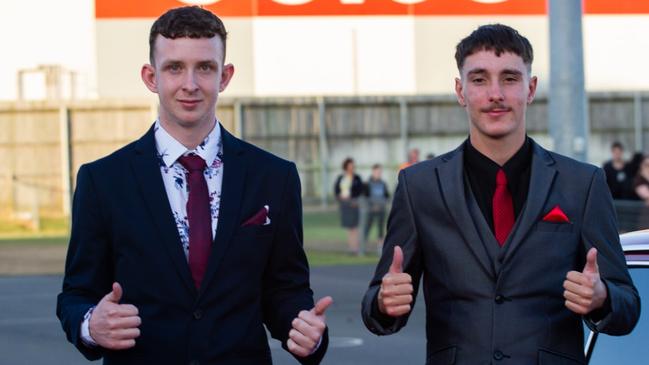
(492, 305)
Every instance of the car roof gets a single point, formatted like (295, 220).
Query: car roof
(636, 247)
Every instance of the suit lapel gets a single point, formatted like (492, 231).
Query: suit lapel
(234, 174)
(450, 175)
(541, 179)
(146, 168)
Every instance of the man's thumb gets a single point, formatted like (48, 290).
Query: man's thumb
(591, 262)
(322, 305)
(116, 295)
(397, 261)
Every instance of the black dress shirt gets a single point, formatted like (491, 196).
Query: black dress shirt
(481, 173)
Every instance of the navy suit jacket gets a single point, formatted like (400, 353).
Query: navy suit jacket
(123, 230)
(492, 305)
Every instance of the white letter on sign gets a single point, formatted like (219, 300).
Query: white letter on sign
(199, 2)
(292, 2)
(408, 2)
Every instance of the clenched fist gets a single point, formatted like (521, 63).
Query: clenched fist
(395, 294)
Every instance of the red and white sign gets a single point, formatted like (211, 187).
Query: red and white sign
(249, 8)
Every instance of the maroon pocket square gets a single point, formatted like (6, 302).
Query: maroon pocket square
(259, 219)
(556, 215)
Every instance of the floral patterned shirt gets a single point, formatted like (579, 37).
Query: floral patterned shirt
(175, 181)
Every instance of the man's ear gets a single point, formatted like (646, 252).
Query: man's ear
(148, 77)
(532, 90)
(226, 76)
(459, 92)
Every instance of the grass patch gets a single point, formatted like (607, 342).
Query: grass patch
(323, 227)
(24, 251)
(49, 226)
(320, 258)
(35, 241)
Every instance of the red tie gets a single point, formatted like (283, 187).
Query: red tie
(199, 216)
(503, 209)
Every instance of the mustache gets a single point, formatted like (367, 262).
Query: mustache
(494, 107)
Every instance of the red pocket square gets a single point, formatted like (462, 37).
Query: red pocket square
(556, 215)
(260, 218)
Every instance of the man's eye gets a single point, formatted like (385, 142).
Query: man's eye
(206, 68)
(478, 80)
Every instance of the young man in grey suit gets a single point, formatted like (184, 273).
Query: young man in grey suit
(186, 243)
(516, 244)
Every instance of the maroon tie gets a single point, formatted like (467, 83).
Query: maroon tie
(199, 216)
(503, 209)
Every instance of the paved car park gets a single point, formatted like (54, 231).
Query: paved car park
(30, 333)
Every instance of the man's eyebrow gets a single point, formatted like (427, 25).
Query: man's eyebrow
(171, 62)
(511, 71)
(476, 71)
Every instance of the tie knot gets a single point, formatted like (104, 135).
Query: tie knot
(192, 163)
(501, 178)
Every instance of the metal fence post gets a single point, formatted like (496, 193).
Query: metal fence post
(637, 122)
(238, 119)
(403, 122)
(324, 151)
(66, 158)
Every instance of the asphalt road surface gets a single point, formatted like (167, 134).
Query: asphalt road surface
(30, 333)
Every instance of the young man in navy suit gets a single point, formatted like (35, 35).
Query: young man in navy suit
(516, 244)
(187, 242)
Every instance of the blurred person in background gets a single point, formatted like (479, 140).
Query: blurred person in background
(376, 191)
(618, 175)
(641, 181)
(347, 189)
(413, 158)
(186, 244)
(641, 189)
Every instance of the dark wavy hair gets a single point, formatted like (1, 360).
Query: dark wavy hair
(494, 37)
(346, 162)
(186, 21)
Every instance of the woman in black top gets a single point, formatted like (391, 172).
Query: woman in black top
(347, 189)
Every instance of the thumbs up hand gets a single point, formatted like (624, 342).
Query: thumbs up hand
(308, 328)
(395, 294)
(112, 325)
(585, 291)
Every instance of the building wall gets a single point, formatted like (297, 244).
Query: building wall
(323, 47)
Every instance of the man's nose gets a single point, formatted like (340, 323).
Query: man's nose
(189, 82)
(496, 92)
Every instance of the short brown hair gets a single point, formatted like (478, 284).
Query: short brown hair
(346, 162)
(494, 37)
(186, 21)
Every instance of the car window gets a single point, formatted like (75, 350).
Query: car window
(633, 348)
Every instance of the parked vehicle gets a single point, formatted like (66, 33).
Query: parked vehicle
(634, 348)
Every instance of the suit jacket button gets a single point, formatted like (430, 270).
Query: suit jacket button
(498, 355)
(198, 314)
(500, 299)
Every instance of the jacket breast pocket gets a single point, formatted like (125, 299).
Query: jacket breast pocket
(444, 356)
(547, 357)
(554, 227)
(254, 231)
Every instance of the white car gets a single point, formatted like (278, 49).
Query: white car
(634, 348)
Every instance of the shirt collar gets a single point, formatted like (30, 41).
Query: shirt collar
(484, 166)
(169, 149)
